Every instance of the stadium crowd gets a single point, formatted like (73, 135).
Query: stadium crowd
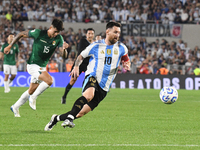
(146, 57)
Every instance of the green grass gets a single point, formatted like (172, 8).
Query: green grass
(125, 119)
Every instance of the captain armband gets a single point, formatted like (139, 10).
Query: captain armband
(125, 58)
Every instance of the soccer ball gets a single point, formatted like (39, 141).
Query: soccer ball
(168, 95)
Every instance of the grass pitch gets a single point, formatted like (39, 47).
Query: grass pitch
(125, 119)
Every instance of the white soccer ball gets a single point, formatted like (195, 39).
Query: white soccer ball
(168, 95)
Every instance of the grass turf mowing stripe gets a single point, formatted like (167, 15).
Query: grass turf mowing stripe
(96, 145)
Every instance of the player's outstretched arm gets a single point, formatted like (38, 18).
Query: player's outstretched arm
(1, 56)
(75, 72)
(19, 35)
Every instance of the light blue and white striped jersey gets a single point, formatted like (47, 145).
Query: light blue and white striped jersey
(104, 61)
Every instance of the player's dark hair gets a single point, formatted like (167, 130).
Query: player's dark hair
(58, 24)
(112, 24)
(9, 34)
(90, 29)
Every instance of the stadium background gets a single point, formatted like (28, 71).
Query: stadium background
(153, 25)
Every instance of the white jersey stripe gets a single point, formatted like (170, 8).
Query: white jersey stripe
(107, 65)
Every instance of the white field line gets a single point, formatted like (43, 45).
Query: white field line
(97, 145)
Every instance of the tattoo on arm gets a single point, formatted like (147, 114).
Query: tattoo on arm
(79, 60)
(20, 35)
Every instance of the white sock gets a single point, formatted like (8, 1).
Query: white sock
(58, 118)
(6, 85)
(22, 100)
(40, 89)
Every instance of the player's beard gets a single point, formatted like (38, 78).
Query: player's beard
(114, 40)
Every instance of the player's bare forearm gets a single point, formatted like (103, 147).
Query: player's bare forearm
(63, 52)
(75, 72)
(18, 36)
(78, 61)
(1, 56)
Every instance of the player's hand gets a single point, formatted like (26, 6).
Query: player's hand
(75, 72)
(65, 45)
(7, 49)
(126, 65)
(64, 51)
(17, 64)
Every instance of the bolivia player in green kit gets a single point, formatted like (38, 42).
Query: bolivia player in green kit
(9, 63)
(45, 43)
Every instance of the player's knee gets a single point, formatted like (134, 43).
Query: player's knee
(89, 97)
(12, 77)
(80, 114)
(50, 81)
(31, 91)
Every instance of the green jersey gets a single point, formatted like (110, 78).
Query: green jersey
(43, 47)
(9, 59)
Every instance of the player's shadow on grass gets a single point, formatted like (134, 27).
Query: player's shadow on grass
(38, 132)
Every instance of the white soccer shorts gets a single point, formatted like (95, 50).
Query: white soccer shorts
(35, 71)
(10, 69)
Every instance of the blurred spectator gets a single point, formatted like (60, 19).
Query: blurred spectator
(157, 14)
(163, 70)
(144, 68)
(177, 18)
(59, 61)
(58, 14)
(30, 14)
(9, 16)
(74, 17)
(24, 15)
(196, 71)
(179, 9)
(80, 14)
(144, 16)
(42, 15)
(21, 64)
(176, 69)
(124, 14)
(184, 16)
(171, 15)
(53, 66)
(131, 15)
(188, 66)
(196, 15)
(93, 17)
(102, 13)
(86, 17)
(51, 15)
(69, 65)
(108, 16)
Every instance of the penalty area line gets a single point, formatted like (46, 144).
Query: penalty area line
(97, 145)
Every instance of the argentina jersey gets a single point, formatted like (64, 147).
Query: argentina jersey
(104, 61)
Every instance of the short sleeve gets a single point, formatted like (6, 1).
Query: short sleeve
(88, 50)
(34, 33)
(61, 41)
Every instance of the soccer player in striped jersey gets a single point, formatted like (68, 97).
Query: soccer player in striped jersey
(105, 57)
(9, 62)
(45, 43)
